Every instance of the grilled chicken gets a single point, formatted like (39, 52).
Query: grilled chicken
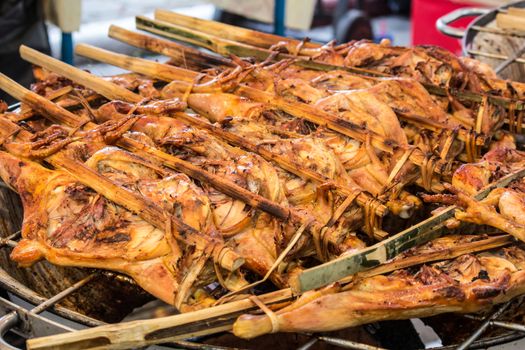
(318, 148)
(247, 169)
(465, 284)
(69, 224)
(427, 64)
(503, 208)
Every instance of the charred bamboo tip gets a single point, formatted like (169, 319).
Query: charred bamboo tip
(251, 326)
(229, 259)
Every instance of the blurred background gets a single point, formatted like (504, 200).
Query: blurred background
(53, 26)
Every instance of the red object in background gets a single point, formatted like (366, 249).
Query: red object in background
(425, 13)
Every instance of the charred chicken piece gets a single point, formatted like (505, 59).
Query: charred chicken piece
(469, 283)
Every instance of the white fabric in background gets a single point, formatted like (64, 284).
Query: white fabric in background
(65, 14)
(299, 13)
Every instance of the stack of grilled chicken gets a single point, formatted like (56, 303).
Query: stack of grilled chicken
(309, 165)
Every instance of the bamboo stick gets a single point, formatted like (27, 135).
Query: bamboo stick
(180, 53)
(226, 31)
(135, 64)
(140, 333)
(105, 88)
(445, 254)
(221, 46)
(228, 47)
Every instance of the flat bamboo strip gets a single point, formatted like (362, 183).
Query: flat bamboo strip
(228, 47)
(139, 205)
(156, 45)
(226, 31)
(63, 116)
(181, 53)
(296, 109)
(446, 254)
(105, 88)
(221, 46)
(380, 253)
(69, 103)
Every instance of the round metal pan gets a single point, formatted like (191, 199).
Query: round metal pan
(485, 16)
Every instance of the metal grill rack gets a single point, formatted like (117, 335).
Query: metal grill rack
(39, 319)
(29, 323)
(516, 57)
(482, 39)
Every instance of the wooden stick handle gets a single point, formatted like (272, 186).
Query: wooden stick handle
(134, 64)
(136, 334)
(226, 31)
(178, 52)
(105, 88)
(39, 103)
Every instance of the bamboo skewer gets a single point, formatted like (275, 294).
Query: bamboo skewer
(140, 333)
(137, 204)
(161, 330)
(447, 254)
(105, 88)
(134, 64)
(226, 31)
(227, 47)
(296, 109)
(180, 53)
